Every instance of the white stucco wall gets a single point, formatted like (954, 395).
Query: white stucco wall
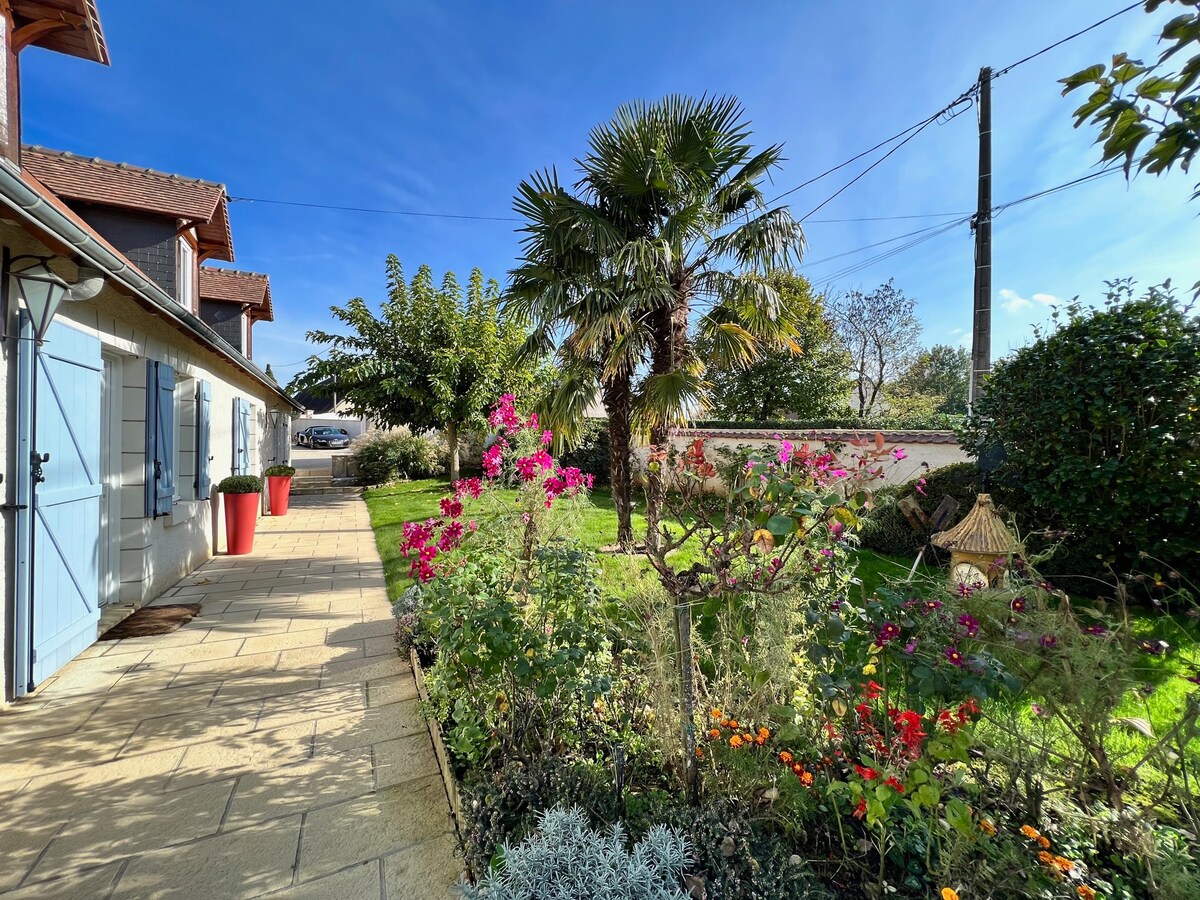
(923, 450)
(154, 553)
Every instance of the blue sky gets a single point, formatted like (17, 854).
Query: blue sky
(444, 107)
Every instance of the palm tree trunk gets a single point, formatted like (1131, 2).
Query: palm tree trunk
(452, 440)
(669, 354)
(616, 395)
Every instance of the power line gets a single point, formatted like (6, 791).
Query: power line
(1070, 37)
(382, 212)
(917, 127)
(922, 235)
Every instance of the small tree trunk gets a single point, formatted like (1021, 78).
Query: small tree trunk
(452, 440)
(656, 490)
(687, 698)
(616, 396)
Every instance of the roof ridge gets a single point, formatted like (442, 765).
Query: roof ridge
(124, 166)
(224, 271)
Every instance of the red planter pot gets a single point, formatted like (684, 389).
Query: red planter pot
(279, 490)
(241, 515)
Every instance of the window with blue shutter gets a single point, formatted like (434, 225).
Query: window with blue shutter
(203, 440)
(160, 438)
(241, 436)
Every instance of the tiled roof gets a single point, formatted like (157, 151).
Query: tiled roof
(90, 180)
(236, 286)
(81, 34)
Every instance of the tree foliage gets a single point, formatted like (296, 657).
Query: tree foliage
(941, 373)
(653, 247)
(807, 381)
(1101, 428)
(432, 358)
(882, 335)
(1135, 104)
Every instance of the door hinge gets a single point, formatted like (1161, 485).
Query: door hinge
(14, 506)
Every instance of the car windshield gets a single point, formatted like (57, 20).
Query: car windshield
(324, 431)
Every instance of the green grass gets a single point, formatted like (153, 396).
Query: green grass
(624, 576)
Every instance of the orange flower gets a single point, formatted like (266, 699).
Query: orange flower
(760, 740)
(797, 768)
(1030, 832)
(716, 714)
(699, 753)
(764, 733)
(987, 827)
(1047, 858)
(949, 894)
(806, 778)
(731, 723)
(785, 757)
(1085, 892)
(1063, 864)
(1043, 841)
(748, 738)
(714, 733)
(735, 741)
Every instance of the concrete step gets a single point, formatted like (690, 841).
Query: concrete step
(329, 489)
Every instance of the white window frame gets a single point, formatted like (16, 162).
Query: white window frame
(187, 274)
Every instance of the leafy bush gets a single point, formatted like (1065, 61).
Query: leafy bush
(384, 456)
(885, 530)
(593, 454)
(280, 472)
(1100, 426)
(566, 859)
(241, 484)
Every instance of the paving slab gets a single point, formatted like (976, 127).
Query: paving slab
(269, 747)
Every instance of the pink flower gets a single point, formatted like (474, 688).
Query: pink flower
(889, 631)
(785, 453)
(547, 437)
(955, 658)
(921, 487)
(899, 454)
(969, 623)
(492, 456)
(451, 508)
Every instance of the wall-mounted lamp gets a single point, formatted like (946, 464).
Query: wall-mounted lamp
(41, 290)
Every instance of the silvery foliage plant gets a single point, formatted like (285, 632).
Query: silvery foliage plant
(566, 860)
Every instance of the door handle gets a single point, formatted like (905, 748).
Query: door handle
(37, 459)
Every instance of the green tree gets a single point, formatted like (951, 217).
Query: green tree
(654, 247)
(1099, 423)
(882, 335)
(270, 374)
(941, 372)
(1134, 103)
(808, 381)
(432, 358)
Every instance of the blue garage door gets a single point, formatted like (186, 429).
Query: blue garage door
(58, 530)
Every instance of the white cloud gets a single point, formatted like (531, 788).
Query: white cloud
(1012, 301)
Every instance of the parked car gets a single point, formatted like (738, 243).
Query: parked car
(323, 436)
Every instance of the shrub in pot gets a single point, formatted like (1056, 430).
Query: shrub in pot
(242, 495)
(279, 488)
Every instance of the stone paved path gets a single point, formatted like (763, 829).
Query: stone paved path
(271, 746)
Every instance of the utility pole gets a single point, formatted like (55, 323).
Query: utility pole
(981, 333)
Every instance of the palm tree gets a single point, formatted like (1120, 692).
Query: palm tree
(663, 239)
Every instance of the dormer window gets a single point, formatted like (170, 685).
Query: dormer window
(187, 275)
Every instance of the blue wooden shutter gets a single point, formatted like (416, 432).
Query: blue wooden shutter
(203, 439)
(160, 438)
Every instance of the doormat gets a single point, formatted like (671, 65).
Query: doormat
(152, 620)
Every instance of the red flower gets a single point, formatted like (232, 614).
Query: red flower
(860, 809)
(872, 691)
(895, 785)
(866, 772)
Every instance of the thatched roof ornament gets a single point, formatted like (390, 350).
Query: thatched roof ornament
(980, 531)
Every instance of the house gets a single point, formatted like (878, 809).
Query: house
(124, 404)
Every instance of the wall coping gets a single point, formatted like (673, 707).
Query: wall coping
(825, 434)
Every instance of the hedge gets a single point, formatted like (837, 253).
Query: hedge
(923, 423)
